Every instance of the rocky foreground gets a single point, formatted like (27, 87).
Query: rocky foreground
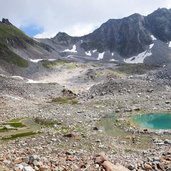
(45, 126)
(67, 161)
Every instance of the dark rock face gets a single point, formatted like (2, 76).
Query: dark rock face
(128, 36)
(159, 23)
(64, 39)
(5, 21)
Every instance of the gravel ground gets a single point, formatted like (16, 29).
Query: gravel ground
(73, 144)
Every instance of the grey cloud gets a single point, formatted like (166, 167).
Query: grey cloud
(73, 16)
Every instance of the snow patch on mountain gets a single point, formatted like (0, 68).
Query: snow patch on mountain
(51, 60)
(39, 60)
(32, 81)
(35, 60)
(151, 46)
(73, 50)
(13, 77)
(139, 58)
(88, 53)
(169, 44)
(153, 37)
(101, 55)
(112, 60)
(94, 50)
(17, 77)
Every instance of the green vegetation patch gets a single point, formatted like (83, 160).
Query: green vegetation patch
(10, 57)
(46, 122)
(64, 130)
(131, 69)
(16, 120)
(19, 135)
(16, 124)
(3, 129)
(11, 35)
(59, 62)
(109, 73)
(65, 100)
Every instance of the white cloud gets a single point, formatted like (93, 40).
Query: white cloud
(75, 30)
(76, 17)
(80, 29)
(46, 34)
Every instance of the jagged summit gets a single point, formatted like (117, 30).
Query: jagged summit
(132, 39)
(5, 21)
(16, 48)
(162, 11)
(62, 36)
(135, 38)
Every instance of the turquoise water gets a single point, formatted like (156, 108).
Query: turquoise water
(154, 120)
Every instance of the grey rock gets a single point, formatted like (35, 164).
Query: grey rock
(28, 168)
(166, 141)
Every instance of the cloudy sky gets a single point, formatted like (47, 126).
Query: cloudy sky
(45, 18)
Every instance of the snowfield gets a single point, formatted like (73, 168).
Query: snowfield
(151, 46)
(170, 44)
(73, 50)
(101, 55)
(35, 60)
(139, 58)
(88, 53)
(39, 60)
(153, 37)
(112, 60)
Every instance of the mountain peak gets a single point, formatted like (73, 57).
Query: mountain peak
(5, 21)
(135, 15)
(124, 38)
(62, 34)
(162, 10)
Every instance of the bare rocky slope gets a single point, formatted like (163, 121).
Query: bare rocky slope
(45, 126)
(133, 39)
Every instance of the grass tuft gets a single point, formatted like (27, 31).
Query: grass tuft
(65, 100)
(10, 57)
(24, 134)
(59, 62)
(46, 122)
(131, 69)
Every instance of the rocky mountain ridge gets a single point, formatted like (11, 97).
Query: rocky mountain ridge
(133, 39)
(19, 52)
(137, 38)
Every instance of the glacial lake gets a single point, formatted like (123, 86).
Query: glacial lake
(153, 120)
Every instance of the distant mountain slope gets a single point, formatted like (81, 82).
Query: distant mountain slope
(20, 53)
(10, 57)
(159, 24)
(10, 35)
(133, 39)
